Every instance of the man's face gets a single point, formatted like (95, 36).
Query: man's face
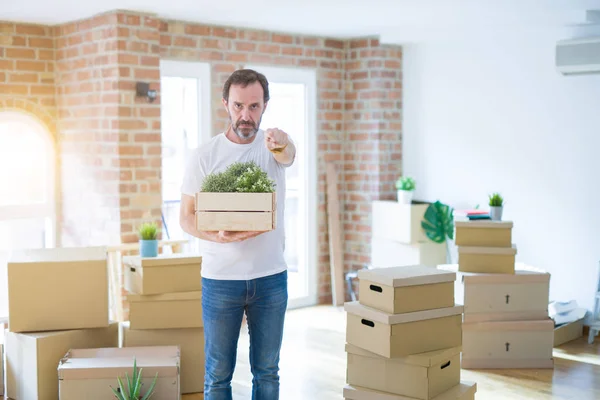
(245, 108)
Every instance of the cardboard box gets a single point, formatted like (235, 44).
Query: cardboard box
(390, 253)
(399, 335)
(46, 288)
(236, 211)
(32, 358)
(191, 345)
(500, 260)
(508, 344)
(165, 311)
(90, 373)
(406, 289)
(419, 376)
(483, 233)
(464, 391)
(568, 332)
(166, 273)
(521, 296)
(397, 221)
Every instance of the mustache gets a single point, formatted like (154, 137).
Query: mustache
(242, 122)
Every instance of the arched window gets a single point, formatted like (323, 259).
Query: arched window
(27, 183)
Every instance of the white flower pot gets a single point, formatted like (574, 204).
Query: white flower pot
(405, 196)
(496, 213)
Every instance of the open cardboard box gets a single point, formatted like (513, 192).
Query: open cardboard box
(236, 211)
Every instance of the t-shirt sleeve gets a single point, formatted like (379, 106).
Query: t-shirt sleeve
(193, 175)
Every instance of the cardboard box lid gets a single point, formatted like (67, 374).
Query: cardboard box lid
(112, 362)
(428, 359)
(59, 255)
(162, 260)
(354, 307)
(510, 326)
(523, 274)
(195, 295)
(488, 250)
(460, 391)
(410, 275)
(484, 224)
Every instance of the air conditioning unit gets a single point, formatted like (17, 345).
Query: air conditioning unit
(578, 56)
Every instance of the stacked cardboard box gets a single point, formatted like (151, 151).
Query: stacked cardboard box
(165, 309)
(506, 321)
(404, 335)
(57, 300)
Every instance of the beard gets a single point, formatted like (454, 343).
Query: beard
(245, 129)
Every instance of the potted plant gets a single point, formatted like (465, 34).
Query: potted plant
(438, 224)
(148, 233)
(405, 186)
(134, 386)
(496, 205)
(240, 198)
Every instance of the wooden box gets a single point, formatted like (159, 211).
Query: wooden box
(419, 376)
(521, 296)
(391, 253)
(399, 335)
(508, 344)
(165, 311)
(406, 289)
(235, 211)
(397, 221)
(166, 273)
(483, 233)
(89, 373)
(464, 391)
(500, 260)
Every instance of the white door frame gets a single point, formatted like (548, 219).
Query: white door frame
(307, 77)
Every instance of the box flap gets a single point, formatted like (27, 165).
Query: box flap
(162, 260)
(428, 359)
(112, 362)
(362, 311)
(488, 250)
(410, 275)
(196, 295)
(523, 274)
(463, 390)
(60, 254)
(484, 224)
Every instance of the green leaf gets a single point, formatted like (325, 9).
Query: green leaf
(138, 385)
(118, 395)
(438, 222)
(121, 386)
(151, 389)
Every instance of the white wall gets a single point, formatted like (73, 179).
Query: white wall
(492, 114)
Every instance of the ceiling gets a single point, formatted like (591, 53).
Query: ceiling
(392, 20)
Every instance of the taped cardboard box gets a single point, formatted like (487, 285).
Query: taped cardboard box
(90, 373)
(236, 211)
(399, 335)
(32, 358)
(568, 332)
(464, 391)
(508, 344)
(46, 288)
(521, 296)
(165, 311)
(483, 233)
(166, 273)
(499, 260)
(191, 345)
(406, 289)
(419, 376)
(397, 221)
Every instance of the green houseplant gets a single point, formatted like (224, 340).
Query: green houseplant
(244, 177)
(405, 185)
(134, 386)
(148, 233)
(496, 202)
(438, 224)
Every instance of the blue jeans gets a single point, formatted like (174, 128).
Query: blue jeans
(223, 305)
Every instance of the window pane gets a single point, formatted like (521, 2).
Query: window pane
(17, 234)
(24, 154)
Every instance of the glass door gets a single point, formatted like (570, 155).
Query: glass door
(292, 108)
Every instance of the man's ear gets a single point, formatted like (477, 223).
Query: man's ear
(224, 103)
(265, 107)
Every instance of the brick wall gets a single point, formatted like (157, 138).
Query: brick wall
(110, 140)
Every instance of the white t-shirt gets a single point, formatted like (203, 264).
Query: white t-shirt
(255, 257)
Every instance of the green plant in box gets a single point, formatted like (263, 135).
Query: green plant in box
(405, 186)
(243, 177)
(496, 202)
(134, 386)
(438, 224)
